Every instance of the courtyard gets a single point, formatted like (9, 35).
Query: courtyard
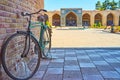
(72, 37)
(77, 53)
(81, 54)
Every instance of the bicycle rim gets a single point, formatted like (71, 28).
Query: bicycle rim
(46, 43)
(16, 67)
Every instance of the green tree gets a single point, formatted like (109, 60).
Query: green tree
(113, 5)
(106, 5)
(98, 5)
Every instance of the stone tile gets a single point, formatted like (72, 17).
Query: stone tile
(43, 67)
(57, 60)
(84, 60)
(107, 56)
(60, 50)
(44, 62)
(70, 55)
(54, 71)
(39, 74)
(72, 74)
(93, 77)
(80, 51)
(111, 79)
(52, 77)
(83, 57)
(110, 74)
(117, 69)
(115, 65)
(56, 65)
(112, 61)
(118, 58)
(70, 62)
(90, 51)
(100, 63)
(70, 52)
(87, 65)
(81, 54)
(72, 67)
(89, 71)
(105, 68)
(53, 51)
(115, 54)
(72, 79)
(70, 58)
(94, 55)
(32, 79)
(96, 58)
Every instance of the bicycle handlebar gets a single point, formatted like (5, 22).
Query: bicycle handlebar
(29, 14)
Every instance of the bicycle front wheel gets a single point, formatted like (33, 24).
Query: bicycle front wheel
(46, 42)
(16, 66)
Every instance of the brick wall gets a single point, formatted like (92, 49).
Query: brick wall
(10, 19)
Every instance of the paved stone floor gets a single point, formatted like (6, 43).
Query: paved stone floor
(80, 64)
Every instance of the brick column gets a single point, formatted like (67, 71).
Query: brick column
(92, 19)
(104, 20)
(116, 20)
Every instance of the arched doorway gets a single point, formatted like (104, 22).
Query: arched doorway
(56, 20)
(98, 19)
(86, 20)
(110, 19)
(71, 19)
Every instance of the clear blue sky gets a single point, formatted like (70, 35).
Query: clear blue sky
(84, 4)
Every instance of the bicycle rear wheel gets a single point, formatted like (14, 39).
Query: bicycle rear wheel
(46, 42)
(17, 67)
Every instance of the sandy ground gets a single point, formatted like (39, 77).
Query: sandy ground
(72, 37)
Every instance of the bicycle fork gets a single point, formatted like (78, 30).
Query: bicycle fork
(27, 46)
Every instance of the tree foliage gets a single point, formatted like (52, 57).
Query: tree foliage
(106, 5)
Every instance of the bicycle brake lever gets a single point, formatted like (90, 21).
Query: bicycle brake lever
(25, 13)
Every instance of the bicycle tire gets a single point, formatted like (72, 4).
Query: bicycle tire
(16, 67)
(46, 42)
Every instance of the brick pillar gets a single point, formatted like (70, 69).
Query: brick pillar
(116, 20)
(104, 20)
(92, 19)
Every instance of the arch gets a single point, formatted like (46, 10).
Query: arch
(86, 19)
(56, 20)
(98, 19)
(110, 19)
(71, 19)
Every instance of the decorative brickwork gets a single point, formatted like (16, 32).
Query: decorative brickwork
(91, 14)
(10, 18)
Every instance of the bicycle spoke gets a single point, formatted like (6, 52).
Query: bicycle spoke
(46, 43)
(16, 66)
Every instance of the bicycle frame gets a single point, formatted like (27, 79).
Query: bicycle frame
(42, 30)
(29, 33)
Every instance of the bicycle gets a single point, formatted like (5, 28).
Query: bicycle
(21, 52)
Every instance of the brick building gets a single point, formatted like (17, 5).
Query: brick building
(10, 19)
(89, 17)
